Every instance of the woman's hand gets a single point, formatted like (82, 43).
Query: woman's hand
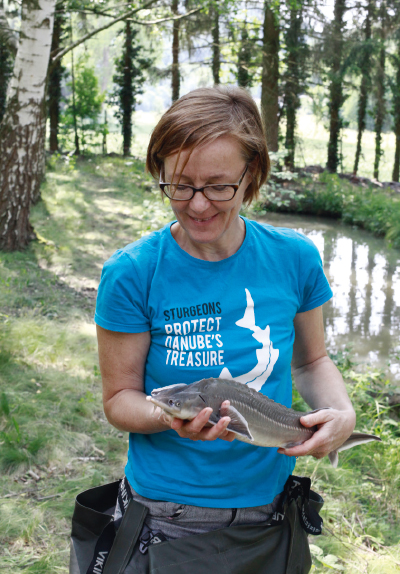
(197, 428)
(334, 428)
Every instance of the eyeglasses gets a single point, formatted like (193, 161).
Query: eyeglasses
(217, 192)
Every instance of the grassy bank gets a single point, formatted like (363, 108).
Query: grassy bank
(371, 208)
(54, 439)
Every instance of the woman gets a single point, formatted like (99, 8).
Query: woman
(213, 295)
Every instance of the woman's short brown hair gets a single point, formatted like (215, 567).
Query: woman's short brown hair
(202, 116)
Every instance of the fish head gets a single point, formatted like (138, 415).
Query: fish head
(180, 401)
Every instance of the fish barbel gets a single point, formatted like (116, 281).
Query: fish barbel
(255, 419)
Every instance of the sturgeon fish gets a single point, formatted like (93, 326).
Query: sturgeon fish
(255, 419)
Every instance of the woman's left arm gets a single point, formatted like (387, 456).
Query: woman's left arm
(321, 385)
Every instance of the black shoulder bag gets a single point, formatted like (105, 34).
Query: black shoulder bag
(100, 546)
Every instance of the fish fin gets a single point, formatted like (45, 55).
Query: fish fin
(333, 457)
(213, 418)
(316, 411)
(238, 423)
(290, 444)
(358, 438)
(353, 440)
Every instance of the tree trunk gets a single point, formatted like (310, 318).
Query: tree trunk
(175, 83)
(75, 119)
(294, 65)
(22, 131)
(127, 95)
(396, 116)
(270, 76)
(380, 110)
(365, 86)
(216, 52)
(54, 85)
(336, 86)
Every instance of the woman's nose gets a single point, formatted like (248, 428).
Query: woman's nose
(199, 202)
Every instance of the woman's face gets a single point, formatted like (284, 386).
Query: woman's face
(202, 220)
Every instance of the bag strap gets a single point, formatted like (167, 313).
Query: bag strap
(126, 538)
(115, 544)
(297, 488)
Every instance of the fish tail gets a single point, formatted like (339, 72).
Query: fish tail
(354, 439)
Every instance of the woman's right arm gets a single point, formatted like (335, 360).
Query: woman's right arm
(122, 358)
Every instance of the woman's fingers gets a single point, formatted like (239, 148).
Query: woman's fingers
(197, 429)
(334, 427)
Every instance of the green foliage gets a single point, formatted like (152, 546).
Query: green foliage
(365, 486)
(87, 107)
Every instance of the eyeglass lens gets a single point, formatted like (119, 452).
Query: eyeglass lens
(212, 192)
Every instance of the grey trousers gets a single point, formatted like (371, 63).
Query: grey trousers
(178, 520)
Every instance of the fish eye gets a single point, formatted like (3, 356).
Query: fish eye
(178, 403)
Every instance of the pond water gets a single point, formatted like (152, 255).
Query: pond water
(364, 273)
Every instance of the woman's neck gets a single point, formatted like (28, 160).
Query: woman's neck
(224, 247)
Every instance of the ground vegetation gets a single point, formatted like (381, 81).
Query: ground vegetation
(54, 438)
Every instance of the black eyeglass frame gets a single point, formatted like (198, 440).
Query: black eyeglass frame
(235, 186)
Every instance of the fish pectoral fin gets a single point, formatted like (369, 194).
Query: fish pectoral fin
(213, 419)
(290, 444)
(238, 423)
(317, 410)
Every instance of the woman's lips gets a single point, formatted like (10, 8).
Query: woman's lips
(203, 219)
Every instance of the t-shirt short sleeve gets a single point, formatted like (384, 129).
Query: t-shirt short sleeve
(313, 284)
(121, 299)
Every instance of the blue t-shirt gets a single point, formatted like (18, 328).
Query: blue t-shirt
(231, 319)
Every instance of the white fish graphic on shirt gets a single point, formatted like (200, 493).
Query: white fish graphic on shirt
(266, 356)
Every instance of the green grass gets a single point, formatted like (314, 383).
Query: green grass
(50, 399)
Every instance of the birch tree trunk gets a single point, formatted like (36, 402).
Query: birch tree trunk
(22, 130)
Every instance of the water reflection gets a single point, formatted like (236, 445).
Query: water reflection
(364, 312)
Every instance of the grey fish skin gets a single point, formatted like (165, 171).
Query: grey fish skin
(255, 419)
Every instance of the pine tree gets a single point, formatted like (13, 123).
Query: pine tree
(245, 56)
(54, 80)
(336, 74)
(396, 107)
(270, 73)
(216, 50)
(380, 88)
(128, 80)
(175, 78)
(295, 76)
(365, 86)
